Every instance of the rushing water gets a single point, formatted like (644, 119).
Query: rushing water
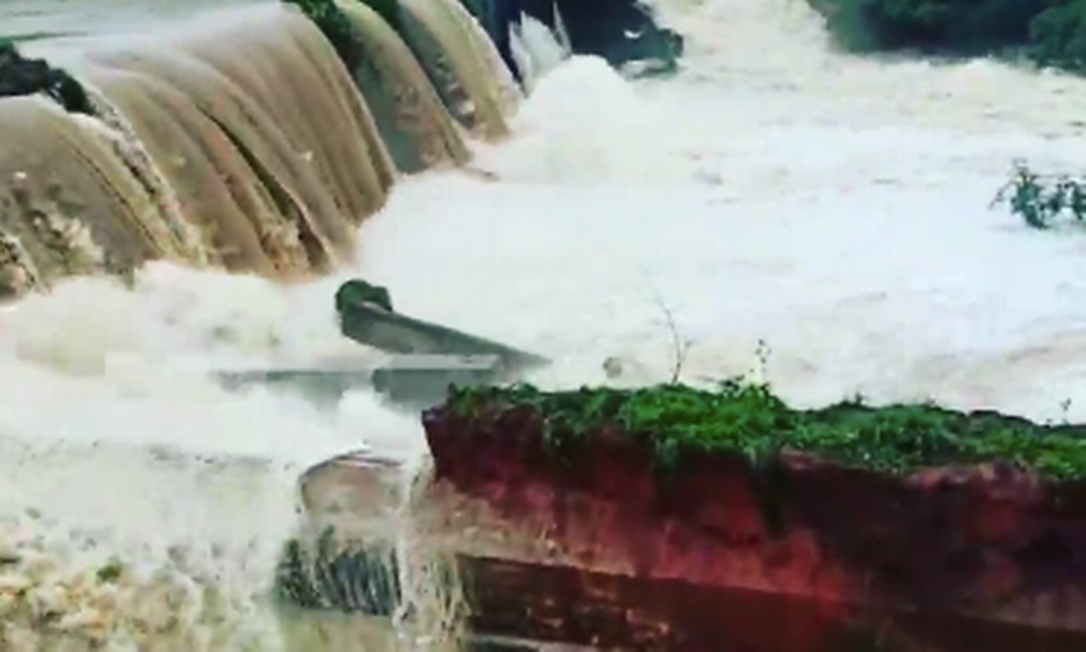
(834, 210)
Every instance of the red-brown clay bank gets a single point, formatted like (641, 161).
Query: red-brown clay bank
(799, 553)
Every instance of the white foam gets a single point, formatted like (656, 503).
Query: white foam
(536, 49)
(834, 208)
(616, 136)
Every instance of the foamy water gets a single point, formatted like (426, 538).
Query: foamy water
(832, 208)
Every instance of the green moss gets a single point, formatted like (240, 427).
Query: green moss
(111, 572)
(675, 420)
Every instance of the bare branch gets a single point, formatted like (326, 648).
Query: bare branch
(680, 346)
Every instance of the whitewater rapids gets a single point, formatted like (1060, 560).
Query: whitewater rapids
(833, 209)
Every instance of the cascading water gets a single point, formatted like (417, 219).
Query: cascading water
(414, 123)
(458, 64)
(235, 141)
(140, 504)
(536, 49)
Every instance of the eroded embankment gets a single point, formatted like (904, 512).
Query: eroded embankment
(675, 517)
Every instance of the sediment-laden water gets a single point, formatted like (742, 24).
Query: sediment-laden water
(829, 212)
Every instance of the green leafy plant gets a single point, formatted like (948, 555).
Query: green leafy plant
(1042, 201)
(745, 419)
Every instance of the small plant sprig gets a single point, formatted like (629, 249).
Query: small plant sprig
(680, 345)
(1039, 200)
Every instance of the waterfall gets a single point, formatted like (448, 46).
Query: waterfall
(416, 126)
(255, 142)
(243, 142)
(68, 199)
(536, 49)
(457, 63)
(246, 142)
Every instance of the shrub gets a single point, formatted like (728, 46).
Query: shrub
(1058, 35)
(1042, 201)
(1051, 32)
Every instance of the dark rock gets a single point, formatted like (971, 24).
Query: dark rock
(22, 76)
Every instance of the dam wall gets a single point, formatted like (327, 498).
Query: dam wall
(241, 140)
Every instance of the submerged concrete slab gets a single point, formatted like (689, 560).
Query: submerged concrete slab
(424, 380)
(322, 386)
(412, 381)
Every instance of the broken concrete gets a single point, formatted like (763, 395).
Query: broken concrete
(423, 380)
(428, 357)
(411, 382)
(373, 323)
(324, 387)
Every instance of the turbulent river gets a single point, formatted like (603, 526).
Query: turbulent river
(819, 218)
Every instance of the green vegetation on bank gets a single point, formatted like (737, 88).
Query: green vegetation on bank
(1042, 201)
(751, 421)
(1050, 32)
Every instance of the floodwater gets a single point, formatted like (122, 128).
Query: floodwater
(778, 209)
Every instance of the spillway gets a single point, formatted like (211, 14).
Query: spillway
(243, 141)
